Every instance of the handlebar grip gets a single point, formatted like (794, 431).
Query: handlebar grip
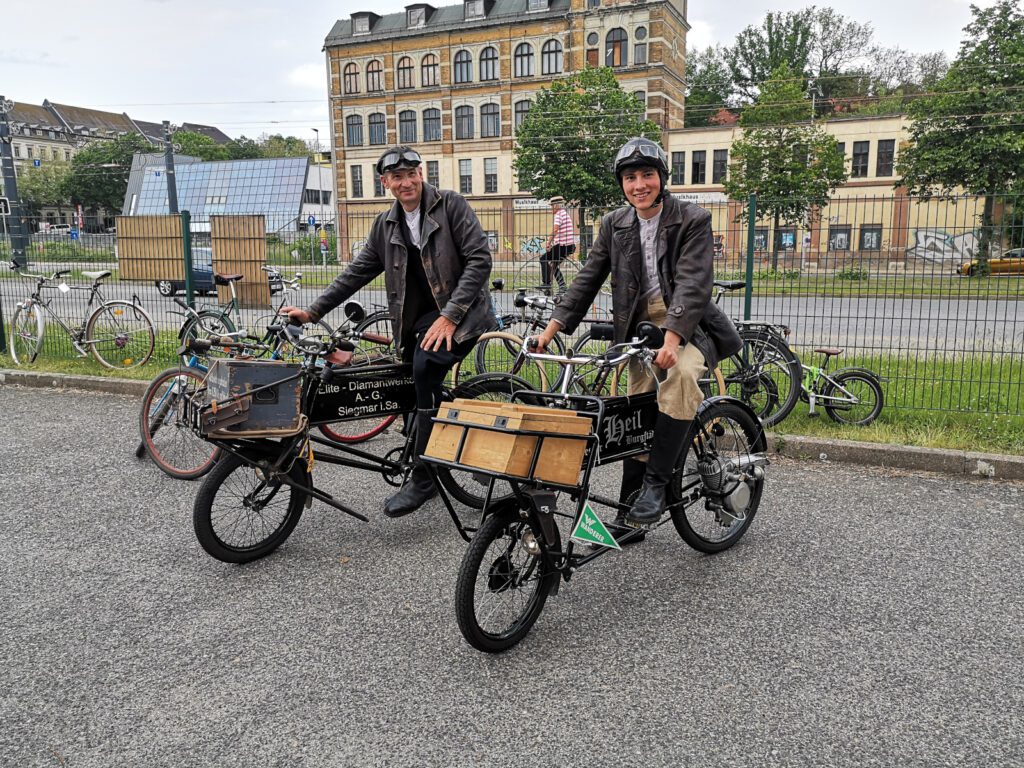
(376, 338)
(200, 345)
(532, 343)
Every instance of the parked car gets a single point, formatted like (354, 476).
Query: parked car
(1010, 263)
(202, 276)
(54, 229)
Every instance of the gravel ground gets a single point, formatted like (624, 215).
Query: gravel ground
(868, 618)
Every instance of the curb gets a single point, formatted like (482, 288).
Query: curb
(968, 464)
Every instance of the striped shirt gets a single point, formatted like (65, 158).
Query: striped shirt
(565, 235)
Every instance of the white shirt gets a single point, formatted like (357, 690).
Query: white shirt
(412, 220)
(649, 248)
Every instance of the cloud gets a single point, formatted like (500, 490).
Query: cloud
(700, 36)
(34, 60)
(310, 76)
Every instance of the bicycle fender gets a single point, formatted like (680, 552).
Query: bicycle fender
(762, 442)
(857, 369)
(542, 513)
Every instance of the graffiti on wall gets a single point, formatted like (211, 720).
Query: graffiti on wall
(937, 245)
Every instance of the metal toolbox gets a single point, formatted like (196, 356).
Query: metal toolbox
(263, 397)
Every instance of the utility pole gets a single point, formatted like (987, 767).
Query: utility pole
(18, 228)
(172, 187)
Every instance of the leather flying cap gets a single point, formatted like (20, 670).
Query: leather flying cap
(398, 157)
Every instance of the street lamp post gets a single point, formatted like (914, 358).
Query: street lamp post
(317, 132)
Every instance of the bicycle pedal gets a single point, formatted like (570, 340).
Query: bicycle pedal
(636, 526)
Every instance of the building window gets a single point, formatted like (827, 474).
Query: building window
(615, 43)
(325, 197)
(405, 72)
(678, 167)
(357, 180)
(785, 239)
(640, 53)
(67, 154)
(760, 239)
(537, 5)
(407, 127)
(551, 58)
(432, 125)
(428, 70)
(490, 121)
(859, 169)
(886, 154)
(490, 174)
(698, 164)
(489, 63)
(593, 3)
(466, 177)
(640, 33)
(719, 166)
(474, 9)
(361, 25)
(524, 60)
(378, 186)
(870, 237)
(839, 237)
(463, 67)
(433, 174)
(592, 38)
(592, 60)
(521, 108)
(417, 17)
(378, 129)
(311, 196)
(374, 77)
(17, 150)
(463, 122)
(641, 96)
(354, 131)
(351, 78)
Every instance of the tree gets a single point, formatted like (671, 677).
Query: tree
(281, 146)
(792, 167)
(243, 148)
(99, 172)
(968, 134)
(838, 44)
(197, 145)
(708, 86)
(783, 39)
(44, 186)
(567, 142)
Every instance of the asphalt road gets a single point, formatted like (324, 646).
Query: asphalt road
(868, 618)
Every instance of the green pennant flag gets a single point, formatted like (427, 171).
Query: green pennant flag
(591, 530)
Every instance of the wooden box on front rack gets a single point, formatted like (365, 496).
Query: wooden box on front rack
(509, 451)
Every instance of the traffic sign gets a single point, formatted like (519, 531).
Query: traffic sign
(74, 234)
(37, 162)
(5, 206)
(311, 220)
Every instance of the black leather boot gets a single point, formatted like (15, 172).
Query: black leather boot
(666, 448)
(418, 487)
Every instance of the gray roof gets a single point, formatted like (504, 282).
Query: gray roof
(446, 18)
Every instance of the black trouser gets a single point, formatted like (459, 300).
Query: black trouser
(549, 264)
(430, 368)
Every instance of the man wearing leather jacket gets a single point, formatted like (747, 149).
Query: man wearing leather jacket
(436, 263)
(659, 253)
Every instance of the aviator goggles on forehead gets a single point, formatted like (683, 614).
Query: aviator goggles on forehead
(393, 159)
(632, 148)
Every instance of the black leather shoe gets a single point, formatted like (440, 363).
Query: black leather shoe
(667, 446)
(649, 505)
(417, 490)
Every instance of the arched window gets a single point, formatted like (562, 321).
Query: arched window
(464, 123)
(551, 58)
(428, 70)
(354, 131)
(615, 43)
(351, 78)
(404, 71)
(407, 127)
(490, 121)
(521, 108)
(374, 77)
(431, 124)
(378, 129)
(463, 67)
(524, 60)
(489, 63)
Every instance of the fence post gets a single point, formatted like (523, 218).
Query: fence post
(186, 246)
(751, 222)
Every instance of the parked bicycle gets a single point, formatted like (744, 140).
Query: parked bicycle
(849, 396)
(117, 333)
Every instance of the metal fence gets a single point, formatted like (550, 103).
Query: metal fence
(900, 284)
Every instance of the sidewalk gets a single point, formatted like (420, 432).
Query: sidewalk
(946, 461)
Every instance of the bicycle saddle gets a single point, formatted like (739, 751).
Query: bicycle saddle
(731, 285)
(222, 279)
(829, 350)
(96, 275)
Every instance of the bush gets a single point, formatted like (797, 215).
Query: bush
(852, 274)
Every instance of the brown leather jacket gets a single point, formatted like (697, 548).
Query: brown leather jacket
(456, 260)
(685, 273)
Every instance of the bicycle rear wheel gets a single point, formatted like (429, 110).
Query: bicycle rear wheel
(206, 324)
(166, 437)
(861, 402)
(379, 325)
(765, 375)
(499, 352)
(120, 335)
(27, 329)
(596, 379)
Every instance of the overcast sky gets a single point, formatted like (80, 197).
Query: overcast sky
(253, 67)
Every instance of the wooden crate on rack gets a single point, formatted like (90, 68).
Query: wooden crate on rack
(509, 451)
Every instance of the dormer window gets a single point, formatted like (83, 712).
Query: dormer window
(537, 5)
(416, 17)
(474, 9)
(363, 22)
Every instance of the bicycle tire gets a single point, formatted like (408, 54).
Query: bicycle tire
(354, 431)
(206, 323)
(501, 574)
(226, 508)
(765, 356)
(133, 336)
(871, 393)
(491, 354)
(724, 430)
(166, 438)
(378, 323)
(27, 332)
(280, 349)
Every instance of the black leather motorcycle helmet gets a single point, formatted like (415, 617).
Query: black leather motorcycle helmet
(397, 157)
(639, 152)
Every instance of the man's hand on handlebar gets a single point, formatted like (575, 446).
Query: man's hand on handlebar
(668, 355)
(544, 337)
(297, 315)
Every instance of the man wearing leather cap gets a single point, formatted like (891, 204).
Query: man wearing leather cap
(659, 253)
(436, 263)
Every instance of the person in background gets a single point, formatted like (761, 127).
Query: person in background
(561, 244)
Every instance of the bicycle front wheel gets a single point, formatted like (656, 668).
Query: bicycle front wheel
(27, 328)
(120, 335)
(377, 324)
(765, 375)
(856, 398)
(241, 514)
(596, 379)
(166, 437)
(504, 580)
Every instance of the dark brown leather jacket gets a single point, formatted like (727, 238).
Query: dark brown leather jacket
(456, 260)
(685, 273)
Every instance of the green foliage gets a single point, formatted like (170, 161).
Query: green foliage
(784, 39)
(852, 273)
(243, 148)
(99, 172)
(281, 146)
(198, 145)
(568, 140)
(44, 186)
(708, 86)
